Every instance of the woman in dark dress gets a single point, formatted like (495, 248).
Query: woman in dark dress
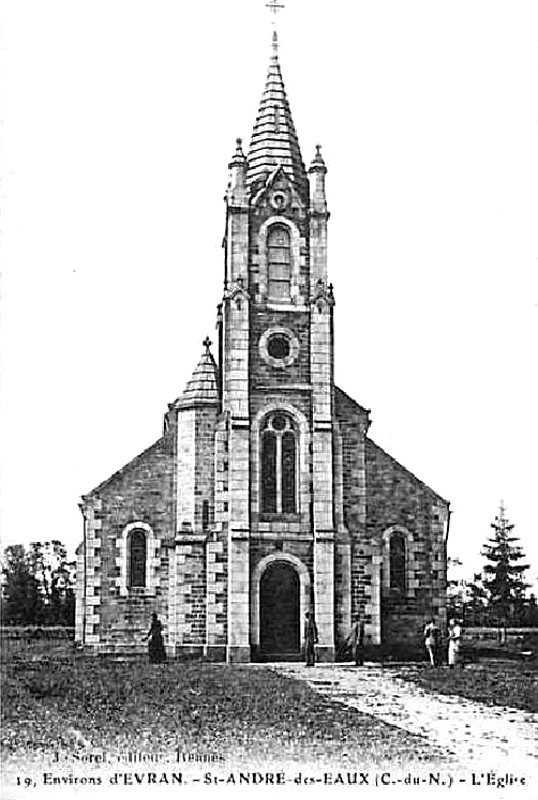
(157, 654)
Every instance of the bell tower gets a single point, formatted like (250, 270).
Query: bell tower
(276, 343)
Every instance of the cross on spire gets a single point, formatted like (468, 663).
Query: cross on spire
(274, 7)
(207, 342)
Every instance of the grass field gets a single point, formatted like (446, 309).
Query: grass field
(502, 683)
(246, 713)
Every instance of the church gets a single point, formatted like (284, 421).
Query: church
(265, 497)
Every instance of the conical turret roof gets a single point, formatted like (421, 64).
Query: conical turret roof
(202, 388)
(274, 139)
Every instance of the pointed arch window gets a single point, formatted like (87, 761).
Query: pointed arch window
(279, 262)
(278, 465)
(137, 559)
(397, 562)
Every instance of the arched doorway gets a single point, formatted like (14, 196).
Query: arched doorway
(279, 610)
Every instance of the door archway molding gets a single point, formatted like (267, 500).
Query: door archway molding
(304, 590)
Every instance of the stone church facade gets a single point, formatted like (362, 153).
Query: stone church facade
(265, 497)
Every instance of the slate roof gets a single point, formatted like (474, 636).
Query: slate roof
(274, 139)
(202, 388)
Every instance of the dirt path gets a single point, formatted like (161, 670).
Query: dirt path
(493, 737)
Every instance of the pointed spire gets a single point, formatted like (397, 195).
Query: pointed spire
(202, 389)
(275, 46)
(274, 139)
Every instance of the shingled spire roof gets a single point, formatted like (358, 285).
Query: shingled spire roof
(202, 387)
(274, 139)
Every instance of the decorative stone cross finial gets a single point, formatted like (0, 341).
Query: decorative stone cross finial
(207, 342)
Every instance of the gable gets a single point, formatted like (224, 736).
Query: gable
(148, 464)
(277, 195)
(383, 467)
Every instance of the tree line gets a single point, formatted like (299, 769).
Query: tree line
(38, 585)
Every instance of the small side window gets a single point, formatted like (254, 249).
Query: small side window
(397, 562)
(137, 559)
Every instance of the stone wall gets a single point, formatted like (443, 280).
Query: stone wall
(140, 495)
(399, 503)
(216, 598)
(381, 498)
(189, 593)
(353, 423)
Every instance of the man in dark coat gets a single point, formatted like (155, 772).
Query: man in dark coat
(310, 639)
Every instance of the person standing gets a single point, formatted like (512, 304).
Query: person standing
(432, 637)
(454, 641)
(310, 639)
(156, 651)
(356, 641)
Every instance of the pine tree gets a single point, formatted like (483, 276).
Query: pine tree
(503, 574)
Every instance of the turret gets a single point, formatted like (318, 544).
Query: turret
(196, 410)
(318, 221)
(237, 194)
(317, 172)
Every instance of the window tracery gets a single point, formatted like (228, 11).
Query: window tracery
(278, 465)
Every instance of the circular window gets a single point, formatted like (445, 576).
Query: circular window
(279, 201)
(278, 346)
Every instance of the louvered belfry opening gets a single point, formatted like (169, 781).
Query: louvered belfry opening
(279, 263)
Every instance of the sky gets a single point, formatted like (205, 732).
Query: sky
(118, 122)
